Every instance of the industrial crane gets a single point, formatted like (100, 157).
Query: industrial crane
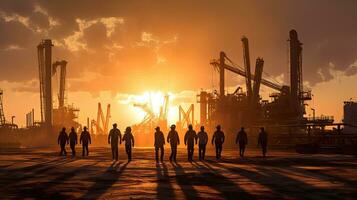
(150, 115)
(246, 58)
(238, 70)
(61, 94)
(164, 109)
(102, 124)
(2, 115)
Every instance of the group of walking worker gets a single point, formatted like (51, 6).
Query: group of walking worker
(191, 139)
(242, 141)
(72, 140)
(115, 138)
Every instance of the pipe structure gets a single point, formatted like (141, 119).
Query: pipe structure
(257, 79)
(47, 46)
(295, 58)
(246, 59)
(222, 56)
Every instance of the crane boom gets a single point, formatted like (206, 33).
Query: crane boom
(62, 88)
(241, 72)
(257, 78)
(246, 59)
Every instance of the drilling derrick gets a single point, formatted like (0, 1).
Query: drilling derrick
(45, 75)
(63, 115)
(102, 123)
(61, 94)
(222, 55)
(296, 85)
(2, 115)
(257, 80)
(186, 117)
(246, 59)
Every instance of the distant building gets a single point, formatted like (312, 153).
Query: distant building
(350, 116)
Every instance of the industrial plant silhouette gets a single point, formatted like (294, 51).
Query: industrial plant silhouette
(251, 140)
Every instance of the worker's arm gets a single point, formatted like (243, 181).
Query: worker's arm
(58, 140)
(120, 137)
(132, 137)
(223, 137)
(185, 139)
(237, 138)
(178, 139)
(109, 135)
(214, 135)
(90, 140)
(168, 137)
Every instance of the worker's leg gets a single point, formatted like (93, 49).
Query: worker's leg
(112, 152)
(199, 152)
(203, 151)
(172, 153)
(175, 152)
(157, 154)
(116, 153)
(162, 153)
(87, 149)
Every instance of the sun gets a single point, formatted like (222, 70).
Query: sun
(153, 101)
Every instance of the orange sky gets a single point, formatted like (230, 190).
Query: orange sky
(117, 49)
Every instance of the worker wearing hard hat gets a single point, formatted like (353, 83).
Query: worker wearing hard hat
(114, 138)
(190, 139)
(62, 141)
(218, 139)
(85, 139)
(73, 140)
(174, 140)
(202, 142)
(242, 140)
(159, 144)
(128, 138)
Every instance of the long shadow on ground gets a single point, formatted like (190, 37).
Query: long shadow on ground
(184, 180)
(281, 185)
(105, 181)
(164, 187)
(45, 190)
(226, 187)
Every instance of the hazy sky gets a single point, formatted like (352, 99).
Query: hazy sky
(117, 48)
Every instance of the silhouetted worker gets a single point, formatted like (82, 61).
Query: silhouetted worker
(202, 142)
(84, 140)
(62, 140)
(73, 141)
(218, 139)
(242, 140)
(190, 138)
(174, 140)
(128, 138)
(114, 138)
(159, 144)
(263, 140)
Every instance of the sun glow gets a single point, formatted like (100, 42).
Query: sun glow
(152, 101)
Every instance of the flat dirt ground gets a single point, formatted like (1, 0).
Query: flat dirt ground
(42, 174)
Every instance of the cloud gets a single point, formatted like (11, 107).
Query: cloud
(76, 41)
(132, 39)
